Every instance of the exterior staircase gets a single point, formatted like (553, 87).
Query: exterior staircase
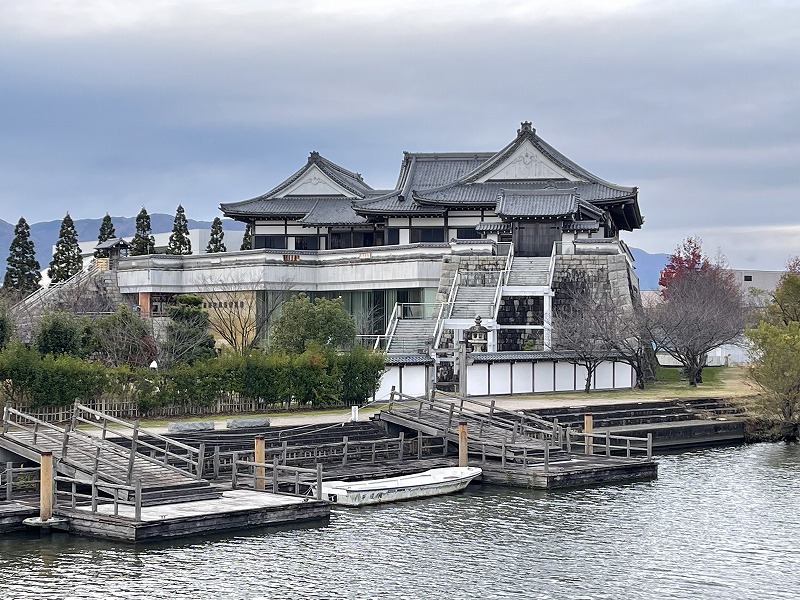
(411, 335)
(472, 301)
(529, 271)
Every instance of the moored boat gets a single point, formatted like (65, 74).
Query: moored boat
(434, 482)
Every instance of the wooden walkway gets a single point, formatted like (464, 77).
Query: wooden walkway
(88, 456)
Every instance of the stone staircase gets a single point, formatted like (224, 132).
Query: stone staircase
(529, 271)
(411, 336)
(473, 301)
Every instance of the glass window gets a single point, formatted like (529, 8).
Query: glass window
(467, 233)
(427, 234)
(277, 242)
(306, 242)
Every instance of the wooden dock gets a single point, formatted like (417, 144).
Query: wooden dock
(235, 509)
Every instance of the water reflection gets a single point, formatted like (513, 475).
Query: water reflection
(718, 523)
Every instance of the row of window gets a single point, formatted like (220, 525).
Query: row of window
(362, 239)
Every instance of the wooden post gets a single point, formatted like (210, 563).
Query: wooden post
(132, 457)
(275, 475)
(419, 445)
(9, 479)
(546, 458)
(649, 445)
(46, 486)
(319, 481)
(503, 457)
(64, 443)
(137, 501)
(259, 482)
(201, 460)
(588, 427)
(463, 453)
(234, 460)
(608, 442)
(400, 451)
(344, 450)
(568, 434)
(216, 462)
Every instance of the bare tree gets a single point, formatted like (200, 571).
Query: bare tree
(125, 338)
(238, 315)
(584, 316)
(700, 311)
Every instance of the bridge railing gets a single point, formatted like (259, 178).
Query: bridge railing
(19, 481)
(608, 444)
(148, 445)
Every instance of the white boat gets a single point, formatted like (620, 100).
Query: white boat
(434, 482)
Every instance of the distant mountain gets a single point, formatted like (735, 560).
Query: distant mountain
(648, 268)
(45, 235)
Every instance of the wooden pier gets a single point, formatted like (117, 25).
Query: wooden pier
(90, 485)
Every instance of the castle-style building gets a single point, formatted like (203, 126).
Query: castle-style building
(461, 235)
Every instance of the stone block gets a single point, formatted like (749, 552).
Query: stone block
(183, 426)
(243, 422)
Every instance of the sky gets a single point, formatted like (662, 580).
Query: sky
(111, 106)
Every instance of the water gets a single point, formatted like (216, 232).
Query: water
(718, 523)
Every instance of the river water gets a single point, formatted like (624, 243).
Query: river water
(718, 523)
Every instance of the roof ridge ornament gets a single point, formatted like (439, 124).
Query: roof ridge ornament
(313, 156)
(526, 128)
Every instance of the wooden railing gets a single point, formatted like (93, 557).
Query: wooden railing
(335, 453)
(256, 472)
(150, 446)
(22, 480)
(118, 494)
(481, 412)
(608, 444)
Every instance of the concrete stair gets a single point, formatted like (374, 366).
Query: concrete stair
(472, 301)
(529, 271)
(411, 336)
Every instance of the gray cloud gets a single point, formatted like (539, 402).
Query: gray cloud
(117, 105)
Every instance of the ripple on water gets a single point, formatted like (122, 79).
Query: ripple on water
(718, 523)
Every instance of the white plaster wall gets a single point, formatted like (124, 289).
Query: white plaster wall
(543, 377)
(604, 376)
(565, 377)
(522, 379)
(500, 378)
(407, 379)
(478, 380)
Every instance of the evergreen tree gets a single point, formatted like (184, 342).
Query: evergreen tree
(67, 260)
(247, 238)
(215, 243)
(106, 233)
(22, 270)
(179, 242)
(143, 242)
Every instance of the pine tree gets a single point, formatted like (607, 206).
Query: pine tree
(215, 243)
(179, 242)
(247, 238)
(22, 273)
(67, 260)
(143, 242)
(106, 233)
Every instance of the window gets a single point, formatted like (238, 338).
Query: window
(467, 233)
(748, 278)
(276, 242)
(427, 234)
(306, 242)
(392, 237)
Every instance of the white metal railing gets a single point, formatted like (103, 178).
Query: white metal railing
(390, 328)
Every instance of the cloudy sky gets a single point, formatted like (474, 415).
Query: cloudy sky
(108, 106)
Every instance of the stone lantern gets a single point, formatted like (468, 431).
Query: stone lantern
(477, 336)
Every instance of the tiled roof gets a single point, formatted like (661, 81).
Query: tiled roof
(292, 206)
(332, 211)
(395, 203)
(408, 359)
(582, 226)
(489, 226)
(537, 203)
(347, 179)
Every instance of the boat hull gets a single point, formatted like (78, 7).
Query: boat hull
(435, 482)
